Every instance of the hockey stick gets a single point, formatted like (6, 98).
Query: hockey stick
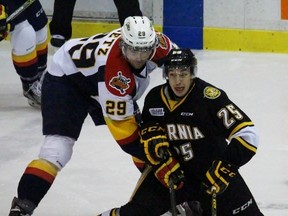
(172, 198)
(19, 10)
(214, 201)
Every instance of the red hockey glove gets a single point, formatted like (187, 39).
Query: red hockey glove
(170, 170)
(219, 175)
(4, 26)
(154, 140)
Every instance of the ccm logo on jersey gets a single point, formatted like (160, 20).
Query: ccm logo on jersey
(186, 114)
(156, 111)
(243, 207)
(120, 83)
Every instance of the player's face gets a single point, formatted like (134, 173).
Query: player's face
(137, 58)
(180, 80)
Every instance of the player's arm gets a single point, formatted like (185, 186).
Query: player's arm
(163, 48)
(154, 141)
(153, 134)
(126, 134)
(237, 127)
(155, 144)
(243, 142)
(242, 147)
(241, 134)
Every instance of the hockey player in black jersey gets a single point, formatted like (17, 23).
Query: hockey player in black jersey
(194, 135)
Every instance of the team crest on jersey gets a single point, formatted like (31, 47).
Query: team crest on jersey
(156, 111)
(211, 92)
(120, 83)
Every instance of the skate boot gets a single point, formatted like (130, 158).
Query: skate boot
(32, 91)
(21, 207)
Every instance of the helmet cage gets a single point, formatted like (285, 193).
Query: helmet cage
(137, 48)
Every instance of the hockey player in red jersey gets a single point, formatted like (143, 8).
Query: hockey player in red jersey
(186, 124)
(29, 44)
(103, 75)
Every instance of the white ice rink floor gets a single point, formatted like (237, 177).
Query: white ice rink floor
(101, 176)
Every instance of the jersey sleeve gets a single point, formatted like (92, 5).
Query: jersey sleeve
(125, 133)
(119, 116)
(235, 124)
(116, 96)
(162, 50)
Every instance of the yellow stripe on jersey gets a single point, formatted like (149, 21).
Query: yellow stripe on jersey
(137, 160)
(122, 130)
(114, 212)
(173, 104)
(247, 145)
(239, 127)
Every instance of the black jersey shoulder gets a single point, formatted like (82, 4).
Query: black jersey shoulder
(155, 90)
(209, 92)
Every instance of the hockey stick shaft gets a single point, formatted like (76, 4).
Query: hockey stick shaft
(214, 202)
(19, 10)
(172, 198)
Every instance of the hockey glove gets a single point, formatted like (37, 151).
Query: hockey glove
(4, 26)
(219, 175)
(154, 140)
(170, 170)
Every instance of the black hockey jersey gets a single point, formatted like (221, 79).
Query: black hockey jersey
(202, 126)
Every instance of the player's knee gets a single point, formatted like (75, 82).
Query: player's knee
(23, 39)
(57, 150)
(41, 36)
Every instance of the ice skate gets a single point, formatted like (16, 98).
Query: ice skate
(32, 91)
(21, 207)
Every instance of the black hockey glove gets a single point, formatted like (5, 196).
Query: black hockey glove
(4, 26)
(169, 170)
(219, 175)
(153, 140)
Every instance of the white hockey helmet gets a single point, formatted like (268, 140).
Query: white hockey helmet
(138, 33)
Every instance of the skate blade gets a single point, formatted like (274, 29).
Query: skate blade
(34, 104)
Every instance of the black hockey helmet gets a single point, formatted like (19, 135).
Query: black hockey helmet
(179, 58)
